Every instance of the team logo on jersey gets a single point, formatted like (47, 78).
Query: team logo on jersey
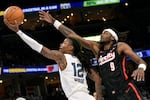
(107, 58)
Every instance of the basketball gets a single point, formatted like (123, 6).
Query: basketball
(14, 13)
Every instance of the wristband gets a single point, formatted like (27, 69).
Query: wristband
(142, 66)
(57, 24)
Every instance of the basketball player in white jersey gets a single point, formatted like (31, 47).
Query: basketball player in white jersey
(72, 73)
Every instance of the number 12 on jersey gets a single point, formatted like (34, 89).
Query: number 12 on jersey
(78, 70)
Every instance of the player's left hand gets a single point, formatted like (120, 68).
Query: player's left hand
(138, 74)
(45, 16)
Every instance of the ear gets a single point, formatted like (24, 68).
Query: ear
(71, 47)
(112, 38)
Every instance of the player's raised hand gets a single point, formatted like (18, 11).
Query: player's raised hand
(13, 27)
(45, 16)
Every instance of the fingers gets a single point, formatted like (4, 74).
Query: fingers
(47, 12)
(42, 15)
(43, 12)
(45, 16)
(5, 21)
(133, 75)
(139, 78)
(138, 75)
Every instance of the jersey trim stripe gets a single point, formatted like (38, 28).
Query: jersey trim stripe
(124, 69)
(135, 90)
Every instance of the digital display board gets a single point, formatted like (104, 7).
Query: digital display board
(89, 3)
(70, 5)
(54, 67)
(29, 69)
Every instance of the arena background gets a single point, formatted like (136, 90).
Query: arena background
(131, 17)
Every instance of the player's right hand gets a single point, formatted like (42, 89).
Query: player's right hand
(138, 74)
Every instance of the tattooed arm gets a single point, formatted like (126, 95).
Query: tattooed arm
(92, 45)
(55, 55)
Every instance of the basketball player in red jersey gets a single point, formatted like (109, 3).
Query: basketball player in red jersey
(111, 56)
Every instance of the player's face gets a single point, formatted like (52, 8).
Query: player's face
(65, 46)
(106, 37)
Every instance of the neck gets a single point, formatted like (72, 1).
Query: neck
(69, 52)
(108, 45)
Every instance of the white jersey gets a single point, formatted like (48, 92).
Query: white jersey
(73, 78)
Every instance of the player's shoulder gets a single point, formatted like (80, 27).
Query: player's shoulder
(120, 44)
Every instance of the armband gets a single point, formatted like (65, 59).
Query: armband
(57, 24)
(142, 66)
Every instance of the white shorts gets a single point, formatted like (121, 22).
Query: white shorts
(81, 96)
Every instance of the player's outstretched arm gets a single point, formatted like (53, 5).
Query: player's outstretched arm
(45, 16)
(50, 54)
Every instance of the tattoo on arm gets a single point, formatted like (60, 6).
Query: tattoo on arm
(65, 30)
(50, 54)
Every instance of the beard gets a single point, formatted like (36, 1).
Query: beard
(103, 43)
